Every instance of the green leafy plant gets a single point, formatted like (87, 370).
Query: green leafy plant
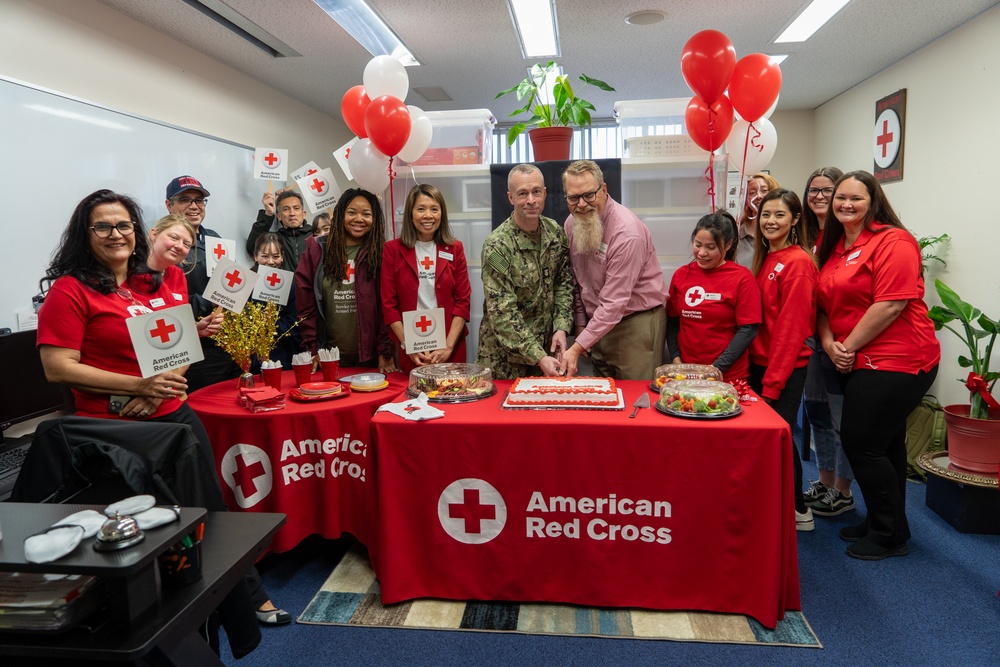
(927, 244)
(979, 341)
(567, 108)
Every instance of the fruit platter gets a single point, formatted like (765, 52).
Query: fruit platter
(699, 399)
(451, 383)
(669, 372)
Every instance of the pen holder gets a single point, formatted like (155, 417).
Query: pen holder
(180, 565)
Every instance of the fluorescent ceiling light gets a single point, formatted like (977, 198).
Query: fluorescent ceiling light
(535, 24)
(810, 20)
(366, 26)
(777, 60)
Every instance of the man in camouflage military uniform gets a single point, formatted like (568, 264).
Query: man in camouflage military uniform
(528, 284)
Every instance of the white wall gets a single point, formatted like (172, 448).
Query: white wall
(88, 50)
(794, 159)
(949, 171)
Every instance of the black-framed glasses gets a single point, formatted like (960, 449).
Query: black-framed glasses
(102, 230)
(187, 201)
(816, 192)
(588, 197)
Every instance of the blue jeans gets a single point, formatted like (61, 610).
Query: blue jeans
(824, 402)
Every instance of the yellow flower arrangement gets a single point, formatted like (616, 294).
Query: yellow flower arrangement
(251, 332)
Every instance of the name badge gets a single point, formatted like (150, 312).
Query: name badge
(178, 297)
(446, 255)
(603, 250)
(854, 255)
(137, 310)
(778, 267)
(158, 302)
(713, 296)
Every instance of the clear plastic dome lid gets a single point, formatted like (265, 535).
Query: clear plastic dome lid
(684, 372)
(699, 397)
(451, 382)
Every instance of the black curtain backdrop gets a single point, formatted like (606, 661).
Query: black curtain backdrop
(555, 201)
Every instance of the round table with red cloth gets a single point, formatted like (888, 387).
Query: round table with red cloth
(310, 461)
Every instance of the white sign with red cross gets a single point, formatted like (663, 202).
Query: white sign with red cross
(424, 330)
(308, 169)
(231, 285)
(217, 249)
(319, 190)
(270, 164)
(273, 285)
(164, 339)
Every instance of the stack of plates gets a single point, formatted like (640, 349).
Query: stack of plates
(320, 389)
(367, 381)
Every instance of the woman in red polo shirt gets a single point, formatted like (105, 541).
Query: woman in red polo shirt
(786, 274)
(713, 306)
(873, 324)
(424, 269)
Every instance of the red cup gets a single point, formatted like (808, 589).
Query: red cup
(271, 377)
(330, 370)
(303, 373)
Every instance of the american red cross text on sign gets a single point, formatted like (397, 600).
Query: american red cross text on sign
(219, 251)
(273, 279)
(427, 263)
(885, 138)
(246, 474)
(271, 159)
(423, 324)
(471, 511)
(162, 331)
(234, 278)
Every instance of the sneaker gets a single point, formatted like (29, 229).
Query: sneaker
(832, 503)
(815, 492)
(804, 521)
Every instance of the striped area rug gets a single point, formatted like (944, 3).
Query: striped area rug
(350, 596)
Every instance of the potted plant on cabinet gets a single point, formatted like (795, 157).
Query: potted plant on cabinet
(974, 429)
(552, 120)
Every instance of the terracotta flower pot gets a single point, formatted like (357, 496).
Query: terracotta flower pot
(551, 143)
(973, 444)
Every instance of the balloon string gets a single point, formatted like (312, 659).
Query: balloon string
(743, 170)
(392, 199)
(710, 177)
(753, 142)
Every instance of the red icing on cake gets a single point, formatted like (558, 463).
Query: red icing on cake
(559, 392)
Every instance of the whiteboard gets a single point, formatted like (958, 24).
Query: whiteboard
(57, 149)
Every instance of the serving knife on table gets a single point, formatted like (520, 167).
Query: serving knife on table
(641, 402)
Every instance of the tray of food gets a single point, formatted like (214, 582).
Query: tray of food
(699, 399)
(451, 383)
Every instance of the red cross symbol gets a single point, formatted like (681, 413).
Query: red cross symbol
(234, 278)
(694, 295)
(350, 271)
(246, 474)
(311, 172)
(885, 138)
(319, 185)
(274, 279)
(471, 511)
(271, 159)
(219, 251)
(423, 323)
(427, 263)
(162, 330)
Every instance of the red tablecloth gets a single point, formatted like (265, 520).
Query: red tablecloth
(310, 461)
(588, 507)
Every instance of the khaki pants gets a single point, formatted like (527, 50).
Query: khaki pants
(633, 349)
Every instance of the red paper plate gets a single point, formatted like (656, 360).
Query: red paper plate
(322, 388)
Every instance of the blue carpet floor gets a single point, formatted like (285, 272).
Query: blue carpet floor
(936, 606)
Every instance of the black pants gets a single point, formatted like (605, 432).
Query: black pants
(873, 432)
(787, 407)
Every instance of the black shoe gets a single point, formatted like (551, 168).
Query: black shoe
(855, 532)
(867, 550)
(273, 617)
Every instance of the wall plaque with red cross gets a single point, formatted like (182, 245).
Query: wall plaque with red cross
(273, 285)
(424, 330)
(887, 137)
(164, 339)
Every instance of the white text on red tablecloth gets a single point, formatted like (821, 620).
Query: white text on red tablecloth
(348, 458)
(597, 528)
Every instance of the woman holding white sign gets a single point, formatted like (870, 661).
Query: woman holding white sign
(424, 269)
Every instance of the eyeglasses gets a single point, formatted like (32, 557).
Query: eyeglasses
(187, 201)
(588, 197)
(816, 192)
(102, 230)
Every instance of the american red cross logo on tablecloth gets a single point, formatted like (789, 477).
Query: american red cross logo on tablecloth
(245, 475)
(320, 186)
(274, 280)
(694, 296)
(471, 511)
(427, 263)
(219, 251)
(271, 159)
(233, 278)
(885, 139)
(349, 277)
(162, 330)
(246, 470)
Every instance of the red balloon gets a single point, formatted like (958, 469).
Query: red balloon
(707, 63)
(353, 108)
(709, 125)
(387, 121)
(755, 86)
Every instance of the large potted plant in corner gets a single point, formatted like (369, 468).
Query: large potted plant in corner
(974, 429)
(552, 121)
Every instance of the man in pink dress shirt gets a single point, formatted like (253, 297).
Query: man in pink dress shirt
(619, 306)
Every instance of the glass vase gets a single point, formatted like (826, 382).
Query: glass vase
(245, 381)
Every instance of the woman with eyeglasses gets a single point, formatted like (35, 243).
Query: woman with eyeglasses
(758, 185)
(873, 324)
(830, 495)
(337, 286)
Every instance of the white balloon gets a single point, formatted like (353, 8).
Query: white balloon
(384, 75)
(368, 166)
(421, 132)
(759, 150)
(774, 106)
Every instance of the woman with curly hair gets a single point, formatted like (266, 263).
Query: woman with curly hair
(337, 285)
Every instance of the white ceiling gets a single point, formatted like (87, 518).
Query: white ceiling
(469, 48)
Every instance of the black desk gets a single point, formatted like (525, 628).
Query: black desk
(164, 631)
